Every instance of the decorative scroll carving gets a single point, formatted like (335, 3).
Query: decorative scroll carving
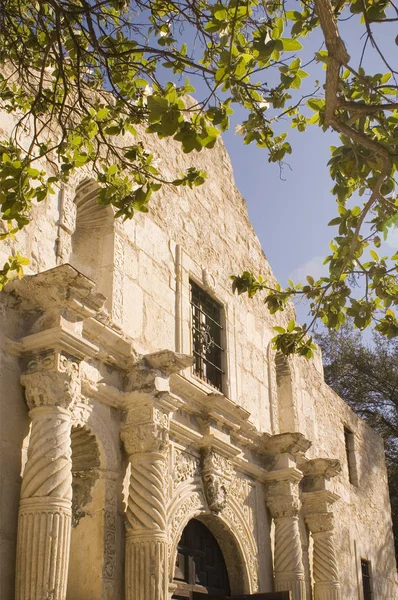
(146, 500)
(238, 488)
(216, 476)
(230, 515)
(189, 506)
(185, 467)
(109, 564)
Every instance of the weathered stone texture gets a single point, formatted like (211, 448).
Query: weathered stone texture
(222, 457)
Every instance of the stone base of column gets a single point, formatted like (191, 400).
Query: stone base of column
(146, 567)
(286, 582)
(327, 590)
(44, 526)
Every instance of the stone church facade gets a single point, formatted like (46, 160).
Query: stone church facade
(154, 446)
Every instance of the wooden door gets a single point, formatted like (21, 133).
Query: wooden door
(200, 569)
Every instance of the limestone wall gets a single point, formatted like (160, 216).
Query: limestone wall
(143, 266)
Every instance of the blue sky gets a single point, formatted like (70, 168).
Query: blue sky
(290, 211)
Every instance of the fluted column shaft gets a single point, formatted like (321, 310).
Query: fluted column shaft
(52, 387)
(325, 568)
(284, 504)
(289, 570)
(44, 523)
(146, 536)
(145, 436)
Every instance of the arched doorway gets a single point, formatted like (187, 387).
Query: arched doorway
(200, 566)
(200, 571)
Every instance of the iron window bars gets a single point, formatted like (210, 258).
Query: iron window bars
(366, 579)
(206, 337)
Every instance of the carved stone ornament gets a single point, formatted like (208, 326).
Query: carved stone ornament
(283, 499)
(216, 476)
(185, 466)
(52, 380)
(320, 522)
(249, 546)
(148, 437)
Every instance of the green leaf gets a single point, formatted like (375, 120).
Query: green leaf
(290, 45)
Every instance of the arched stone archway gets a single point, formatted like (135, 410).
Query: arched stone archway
(230, 531)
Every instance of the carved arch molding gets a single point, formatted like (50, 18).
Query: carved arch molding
(229, 527)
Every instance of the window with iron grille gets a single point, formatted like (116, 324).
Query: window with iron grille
(366, 579)
(206, 337)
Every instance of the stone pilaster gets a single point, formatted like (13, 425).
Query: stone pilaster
(51, 385)
(283, 503)
(145, 436)
(320, 521)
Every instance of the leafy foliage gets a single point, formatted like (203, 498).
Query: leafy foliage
(84, 78)
(367, 378)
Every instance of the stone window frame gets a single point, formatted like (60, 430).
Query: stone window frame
(187, 270)
(349, 445)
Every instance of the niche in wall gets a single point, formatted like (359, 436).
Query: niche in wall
(88, 501)
(92, 251)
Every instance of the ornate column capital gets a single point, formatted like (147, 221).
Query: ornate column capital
(146, 429)
(317, 507)
(52, 379)
(282, 494)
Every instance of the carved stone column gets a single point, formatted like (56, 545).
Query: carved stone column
(281, 452)
(145, 436)
(320, 522)
(44, 524)
(283, 503)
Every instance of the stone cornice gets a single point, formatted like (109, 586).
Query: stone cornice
(68, 315)
(320, 467)
(291, 475)
(61, 287)
(294, 444)
(56, 338)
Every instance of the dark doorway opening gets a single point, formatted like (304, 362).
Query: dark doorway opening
(200, 566)
(200, 571)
